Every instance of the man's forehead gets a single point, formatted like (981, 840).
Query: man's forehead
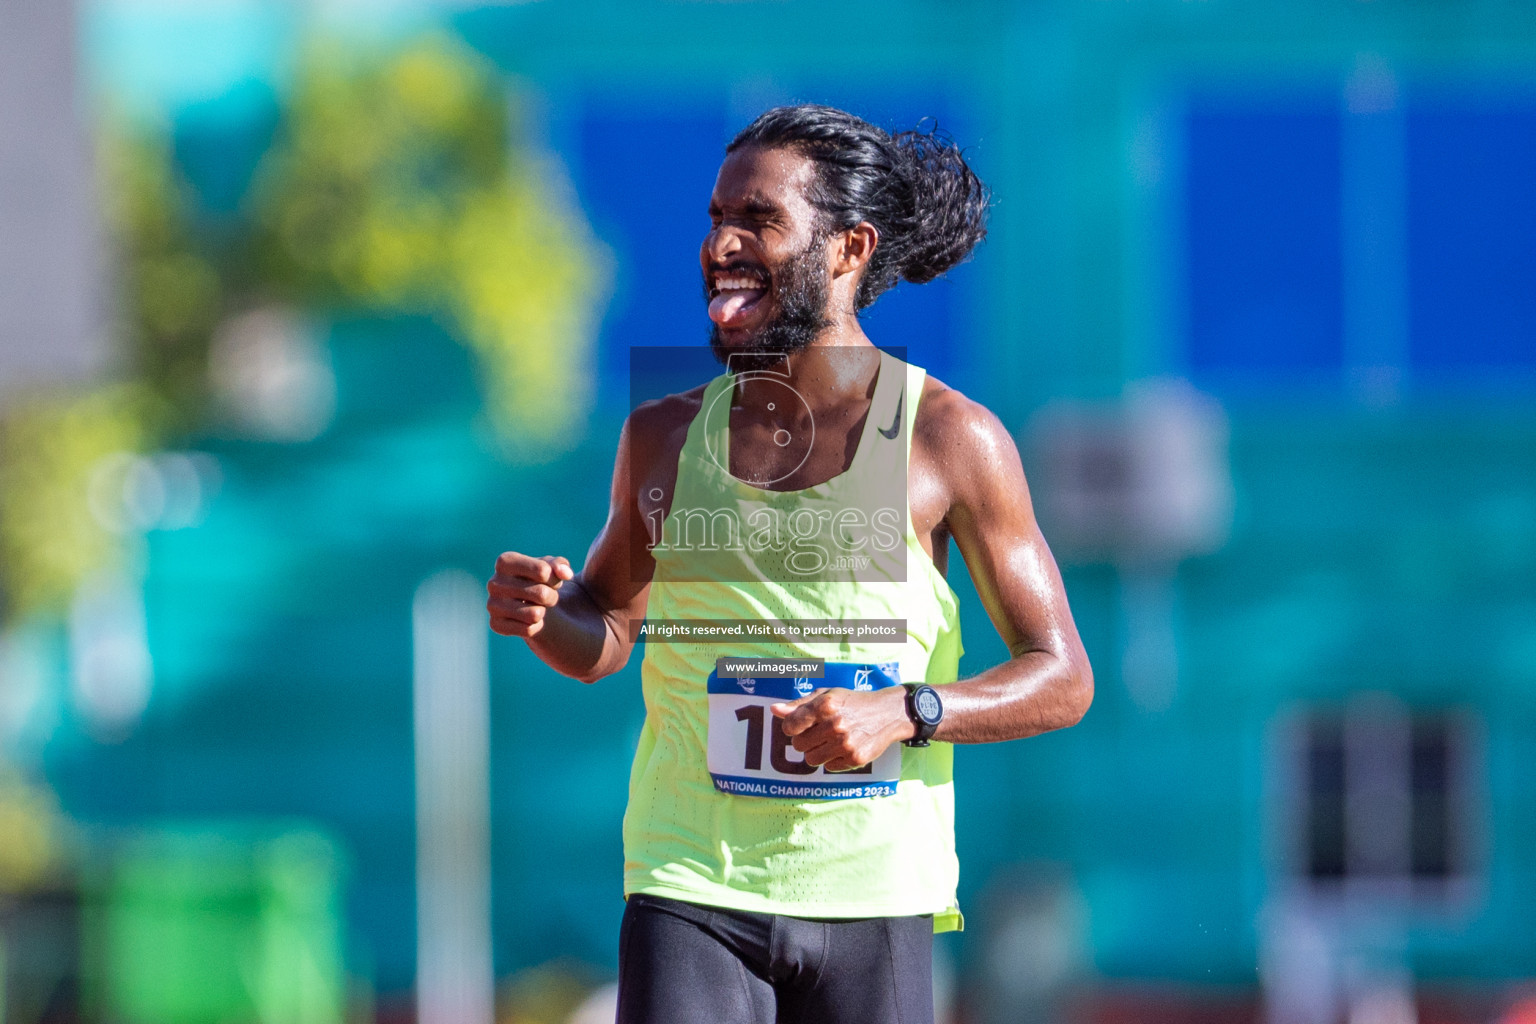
(755, 176)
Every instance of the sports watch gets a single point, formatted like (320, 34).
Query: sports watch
(926, 711)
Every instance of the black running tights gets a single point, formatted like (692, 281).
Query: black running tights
(681, 963)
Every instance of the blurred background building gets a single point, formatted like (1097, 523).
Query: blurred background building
(309, 309)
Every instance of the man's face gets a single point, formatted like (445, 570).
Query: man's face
(764, 262)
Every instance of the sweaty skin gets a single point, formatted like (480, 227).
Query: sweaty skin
(965, 483)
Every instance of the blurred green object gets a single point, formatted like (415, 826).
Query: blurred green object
(205, 925)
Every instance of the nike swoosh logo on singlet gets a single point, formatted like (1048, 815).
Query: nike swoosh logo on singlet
(891, 431)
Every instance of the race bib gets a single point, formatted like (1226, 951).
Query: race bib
(749, 755)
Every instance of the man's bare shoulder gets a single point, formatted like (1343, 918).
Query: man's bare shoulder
(658, 427)
(958, 431)
(969, 460)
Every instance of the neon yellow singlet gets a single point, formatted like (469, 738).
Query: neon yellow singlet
(863, 857)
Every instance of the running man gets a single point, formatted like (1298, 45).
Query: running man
(789, 842)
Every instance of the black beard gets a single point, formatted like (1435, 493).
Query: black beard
(800, 288)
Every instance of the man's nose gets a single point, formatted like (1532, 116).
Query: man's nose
(722, 243)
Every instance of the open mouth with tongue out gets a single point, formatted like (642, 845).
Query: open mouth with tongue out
(735, 295)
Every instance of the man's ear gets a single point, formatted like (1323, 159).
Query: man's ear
(856, 246)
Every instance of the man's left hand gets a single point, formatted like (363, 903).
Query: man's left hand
(845, 729)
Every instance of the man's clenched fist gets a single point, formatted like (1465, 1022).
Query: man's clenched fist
(844, 729)
(523, 590)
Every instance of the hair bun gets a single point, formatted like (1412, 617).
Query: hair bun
(950, 204)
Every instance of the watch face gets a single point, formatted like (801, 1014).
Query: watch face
(928, 707)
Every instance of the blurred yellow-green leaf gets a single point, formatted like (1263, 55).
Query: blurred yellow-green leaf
(50, 538)
(29, 832)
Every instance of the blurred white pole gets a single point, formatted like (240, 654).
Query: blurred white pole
(454, 977)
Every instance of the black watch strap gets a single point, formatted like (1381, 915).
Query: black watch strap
(926, 711)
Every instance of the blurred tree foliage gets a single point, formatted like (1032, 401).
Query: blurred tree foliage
(31, 832)
(50, 534)
(393, 189)
(171, 291)
(170, 299)
(395, 185)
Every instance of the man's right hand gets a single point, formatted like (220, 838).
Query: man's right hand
(523, 590)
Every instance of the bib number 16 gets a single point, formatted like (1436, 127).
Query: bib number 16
(750, 755)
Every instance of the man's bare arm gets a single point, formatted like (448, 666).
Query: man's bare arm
(578, 623)
(1047, 683)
